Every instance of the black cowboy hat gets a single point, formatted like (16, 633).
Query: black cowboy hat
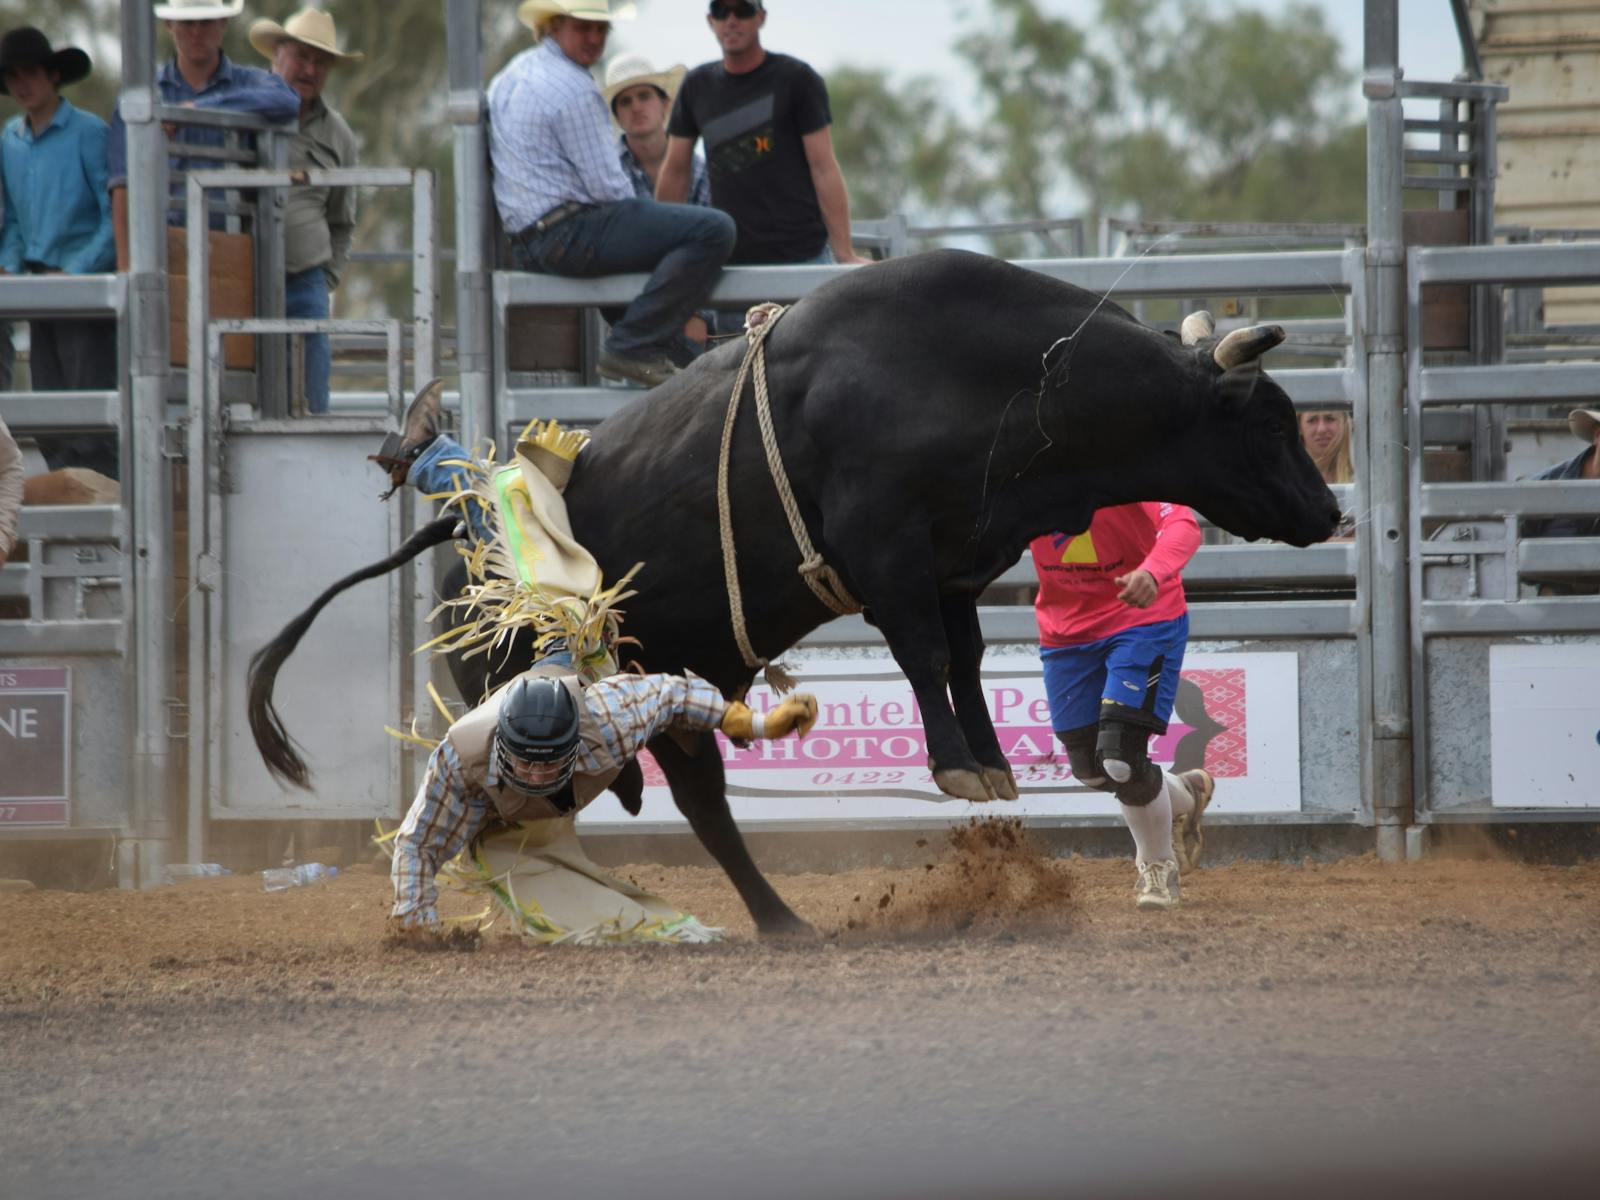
(27, 47)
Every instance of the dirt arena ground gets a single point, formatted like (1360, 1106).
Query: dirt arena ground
(989, 1023)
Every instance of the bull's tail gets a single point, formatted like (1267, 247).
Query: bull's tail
(278, 749)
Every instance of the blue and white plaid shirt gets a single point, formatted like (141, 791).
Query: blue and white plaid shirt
(451, 809)
(550, 138)
(699, 178)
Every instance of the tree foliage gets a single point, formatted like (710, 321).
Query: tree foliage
(1164, 109)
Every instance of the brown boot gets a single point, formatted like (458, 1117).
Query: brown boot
(421, 426)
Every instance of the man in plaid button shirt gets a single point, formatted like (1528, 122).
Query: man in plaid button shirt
(544, 746)
(569, 208)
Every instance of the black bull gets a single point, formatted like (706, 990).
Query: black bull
(934, 413)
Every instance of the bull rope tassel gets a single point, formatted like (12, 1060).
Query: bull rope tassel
(822, 579)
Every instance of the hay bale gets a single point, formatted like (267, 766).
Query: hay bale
(71, 485)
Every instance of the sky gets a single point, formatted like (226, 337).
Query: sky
(913, 37)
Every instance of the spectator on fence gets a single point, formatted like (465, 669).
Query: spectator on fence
(640, 97)
(768, 136)
(10, 491)
(570, 209)
(1326, 437)
(319, 222)
(1113, 627)
(199, 75)
(58, 222)
(1585, 426)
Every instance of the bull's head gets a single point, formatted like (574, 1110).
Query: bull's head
(1259, 482)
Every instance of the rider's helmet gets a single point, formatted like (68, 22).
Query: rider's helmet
(536, 740)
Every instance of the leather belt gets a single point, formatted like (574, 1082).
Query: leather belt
(552, 218)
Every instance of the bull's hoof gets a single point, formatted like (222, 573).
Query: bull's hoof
(963, 784)
(1002, 781)
(788, 929)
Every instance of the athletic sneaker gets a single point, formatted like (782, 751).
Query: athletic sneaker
(1188, 840)
(1158, 885)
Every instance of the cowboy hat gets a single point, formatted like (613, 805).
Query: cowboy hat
(199, 10)
(536, 14)
(1583, 422)
(631, 70)
(27, 47)
(310, 27)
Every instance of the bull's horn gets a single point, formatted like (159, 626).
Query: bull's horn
(1196, 327)
(1243, 345)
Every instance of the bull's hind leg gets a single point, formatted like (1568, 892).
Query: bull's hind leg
(699, 789)
(965, 636)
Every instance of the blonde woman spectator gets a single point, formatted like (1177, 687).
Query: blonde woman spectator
(1326, 437)
(10, 491)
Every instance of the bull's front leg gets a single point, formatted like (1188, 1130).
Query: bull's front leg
(699, 788)
(965, 637)
(904, 602)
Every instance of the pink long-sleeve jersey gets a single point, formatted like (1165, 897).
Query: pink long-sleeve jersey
(1077, 600)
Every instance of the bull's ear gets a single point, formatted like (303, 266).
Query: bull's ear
(1235, 385)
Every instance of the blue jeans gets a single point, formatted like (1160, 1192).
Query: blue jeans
(430, 475)
(682, 246)
(305, 295)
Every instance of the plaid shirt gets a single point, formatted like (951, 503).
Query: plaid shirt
(699, 180)
(550, 138)
(450, 810)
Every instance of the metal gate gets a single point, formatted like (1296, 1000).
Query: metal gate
(280, 506)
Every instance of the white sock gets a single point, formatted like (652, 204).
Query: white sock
(1151, 826)
(1180, 795)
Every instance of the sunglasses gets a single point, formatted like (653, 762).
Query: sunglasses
(743, 9)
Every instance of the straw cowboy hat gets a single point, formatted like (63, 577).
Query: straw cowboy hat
(27, 47)
(536, 14)
(310, 27)
(199, 10)
(1583, 422)
(631, 70)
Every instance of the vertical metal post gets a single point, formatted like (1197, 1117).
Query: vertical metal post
(474, 262)
(424, 280)
(1388, 535)
(1488, 330)
(206, 363)
(272, 352)
(148, 489)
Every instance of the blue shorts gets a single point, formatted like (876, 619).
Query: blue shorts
(1136, 670)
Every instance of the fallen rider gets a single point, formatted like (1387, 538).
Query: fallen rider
(541, 748)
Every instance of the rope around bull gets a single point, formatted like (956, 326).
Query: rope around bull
(822, 579)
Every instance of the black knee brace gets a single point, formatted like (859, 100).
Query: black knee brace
(1085, 764)
(1123, 749)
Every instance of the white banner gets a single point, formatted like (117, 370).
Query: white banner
(1544, 726)
(866, 760)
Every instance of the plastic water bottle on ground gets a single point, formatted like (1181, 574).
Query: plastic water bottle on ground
(279, 879)
(179, 871)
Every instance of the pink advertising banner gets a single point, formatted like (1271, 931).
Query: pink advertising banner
(35, 746)
(1236, 714)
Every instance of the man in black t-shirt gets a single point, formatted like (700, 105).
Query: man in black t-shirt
(765, 122)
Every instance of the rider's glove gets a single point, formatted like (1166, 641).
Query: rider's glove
(796, 713)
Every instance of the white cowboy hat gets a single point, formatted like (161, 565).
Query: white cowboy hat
(631, 70)
(536, 14)
(310, 26)
(199, 10)
(1583, 422)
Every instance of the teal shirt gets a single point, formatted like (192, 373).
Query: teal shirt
(58, 212)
